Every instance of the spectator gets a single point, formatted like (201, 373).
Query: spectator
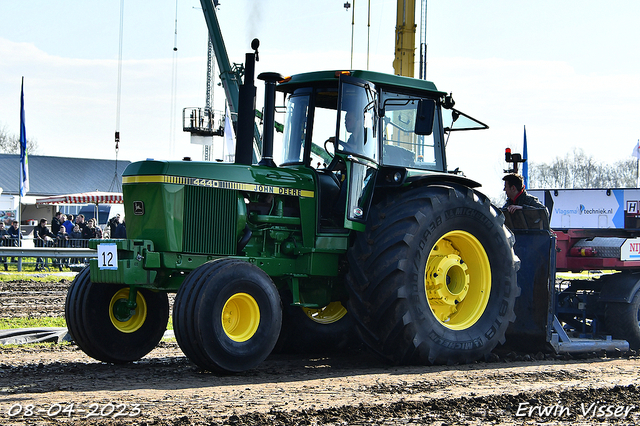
(86, 233)
(15, 235)
(113, 224)
(96, 228)
(42, 234)
(62, 237)
(120, 231)
(75, 239)
(68, 224)
(42, 237)
(14, 232)
(89, 230)
(76, 232)
(62, 240)
(4, 241)
(56, 223)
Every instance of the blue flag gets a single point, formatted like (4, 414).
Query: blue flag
(24, 159)
(525, 165)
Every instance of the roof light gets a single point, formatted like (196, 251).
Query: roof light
(339, 73)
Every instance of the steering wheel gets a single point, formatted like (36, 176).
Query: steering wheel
(331, 139)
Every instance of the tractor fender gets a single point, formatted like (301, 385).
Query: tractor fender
(386, 185)
(619, 287)
(442, 178)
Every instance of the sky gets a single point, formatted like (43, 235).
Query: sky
(567, 70)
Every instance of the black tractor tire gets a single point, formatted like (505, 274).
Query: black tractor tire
(622, 320)
(315, 331)
(452, 240)
(95, 329)
(227, 316)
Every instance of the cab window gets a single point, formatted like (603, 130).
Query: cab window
(357, 121)
(402, 147)
(295, 125)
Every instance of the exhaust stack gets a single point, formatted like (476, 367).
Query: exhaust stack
(246, 108)
(270, 79)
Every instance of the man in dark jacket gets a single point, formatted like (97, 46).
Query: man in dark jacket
(4, 241)
(56, 222)
(42, 237)
(517, 197)
(14, 232)
(15, 235)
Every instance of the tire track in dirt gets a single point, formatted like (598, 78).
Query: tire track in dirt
(349, 388)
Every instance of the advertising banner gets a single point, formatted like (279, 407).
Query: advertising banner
(591, 208)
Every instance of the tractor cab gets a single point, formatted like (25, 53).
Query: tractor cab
(359, 130)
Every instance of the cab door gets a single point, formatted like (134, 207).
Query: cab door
(357, 145)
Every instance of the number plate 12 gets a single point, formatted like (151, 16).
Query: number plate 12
(107, 256)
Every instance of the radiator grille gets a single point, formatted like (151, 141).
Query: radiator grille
(210, 221)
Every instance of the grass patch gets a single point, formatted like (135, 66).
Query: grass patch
(36, 345)
(29, 267)
(7, 323)
(29, 276)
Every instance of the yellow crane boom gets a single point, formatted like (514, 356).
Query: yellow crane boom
(405, 49)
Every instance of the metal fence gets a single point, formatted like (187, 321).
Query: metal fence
(45, 255)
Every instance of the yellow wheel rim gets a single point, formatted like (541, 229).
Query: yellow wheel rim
(458, 280)
(136, 319)
(240, 317)
(331, 313)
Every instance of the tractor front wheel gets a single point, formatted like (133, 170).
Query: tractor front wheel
(432, 280)
(227, 316)
(105, 328)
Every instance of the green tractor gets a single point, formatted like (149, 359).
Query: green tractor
(360, 229)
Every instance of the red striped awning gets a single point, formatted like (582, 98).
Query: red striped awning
(84, 198)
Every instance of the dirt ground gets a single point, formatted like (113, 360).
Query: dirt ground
(58, 384)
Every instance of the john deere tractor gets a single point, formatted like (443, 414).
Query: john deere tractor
(354, 226)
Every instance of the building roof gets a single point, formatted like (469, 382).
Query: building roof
(61, 175)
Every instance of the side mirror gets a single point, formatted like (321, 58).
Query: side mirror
(424, 116)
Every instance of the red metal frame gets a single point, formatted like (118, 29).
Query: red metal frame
(565, 262)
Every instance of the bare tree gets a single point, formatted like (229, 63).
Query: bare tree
(578, 170)
(10, 144)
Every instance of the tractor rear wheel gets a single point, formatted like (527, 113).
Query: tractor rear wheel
(227, 316)
(309, 331)
(432, 280)
(102, 326)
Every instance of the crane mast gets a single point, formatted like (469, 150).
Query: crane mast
(201, 123)
(405, 39)
(405, 48)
